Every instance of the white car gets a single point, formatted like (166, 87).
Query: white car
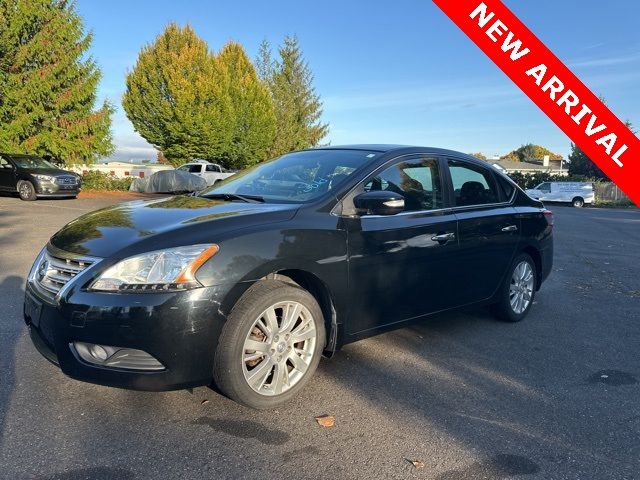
(211, 172)
(577, 193)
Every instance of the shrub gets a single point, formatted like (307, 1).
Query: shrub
(95, 180)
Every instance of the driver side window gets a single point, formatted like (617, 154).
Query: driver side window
(416, 179)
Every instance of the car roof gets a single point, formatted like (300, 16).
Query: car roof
(402, 150)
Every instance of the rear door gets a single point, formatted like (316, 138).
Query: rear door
(399, 265)
(488, 229)
(7, 175)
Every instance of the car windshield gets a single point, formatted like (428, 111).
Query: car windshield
(25, 161)
(296, 177)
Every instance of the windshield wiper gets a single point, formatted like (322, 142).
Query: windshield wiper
(235, 196)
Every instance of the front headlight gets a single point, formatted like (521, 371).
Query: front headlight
(45, 178)
(162, 270)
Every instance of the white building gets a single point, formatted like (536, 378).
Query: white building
(122, 169)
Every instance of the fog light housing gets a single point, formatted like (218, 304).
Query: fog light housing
(98, 352)
(116, 357)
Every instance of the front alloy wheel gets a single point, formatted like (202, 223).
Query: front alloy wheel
(270, 345)
(26, 190)
(279, 347)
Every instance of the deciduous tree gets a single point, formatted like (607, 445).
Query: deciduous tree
(531, 152)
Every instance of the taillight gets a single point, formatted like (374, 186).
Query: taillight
(548, 216)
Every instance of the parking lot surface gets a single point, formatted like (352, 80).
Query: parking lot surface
(553, 397)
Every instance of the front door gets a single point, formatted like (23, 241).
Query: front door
(398, 264)
(7, 176)
(488, 230)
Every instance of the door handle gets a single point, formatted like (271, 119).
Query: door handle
(510, 228)
(443, 237)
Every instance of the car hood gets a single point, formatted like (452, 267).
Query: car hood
(140, 226)
(54, 172)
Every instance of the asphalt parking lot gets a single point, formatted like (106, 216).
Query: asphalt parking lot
(554, 397)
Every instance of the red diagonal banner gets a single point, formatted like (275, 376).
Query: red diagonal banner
(550, 84)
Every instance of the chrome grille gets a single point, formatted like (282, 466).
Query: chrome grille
(53, 272)
(68, 180)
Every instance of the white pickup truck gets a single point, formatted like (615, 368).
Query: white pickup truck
(211, 172)
(576, 193)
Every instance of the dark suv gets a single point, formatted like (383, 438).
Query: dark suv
(34, 177)
(249, 282)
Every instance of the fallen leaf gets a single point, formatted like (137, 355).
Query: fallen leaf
(326, 420)
(204, 401)
(416, 463)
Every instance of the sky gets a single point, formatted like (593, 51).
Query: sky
(390, 72)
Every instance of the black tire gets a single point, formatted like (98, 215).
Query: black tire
(578, 202)
(502, 309)
(26, 191)
(228, 367)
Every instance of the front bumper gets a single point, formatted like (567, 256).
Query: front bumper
(179, 329)
(51, 189)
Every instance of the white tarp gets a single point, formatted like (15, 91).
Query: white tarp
(168, 181)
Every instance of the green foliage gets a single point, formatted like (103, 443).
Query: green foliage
(176, 97)
(96, 180)
(191, 103)
(580, 164)
(48, 84)
(479, 155)
(297, 105)
(252, 122)
(530, 152)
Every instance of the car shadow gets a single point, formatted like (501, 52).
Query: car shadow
(12, 287)
(447, 376)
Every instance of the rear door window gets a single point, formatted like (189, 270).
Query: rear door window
(472, 184)
(506, 187)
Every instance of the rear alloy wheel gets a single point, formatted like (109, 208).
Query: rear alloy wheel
(578, 202)
(270, 345)
(26, 190)
(518, 291)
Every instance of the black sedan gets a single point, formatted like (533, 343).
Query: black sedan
(248, 283)
(34, 177)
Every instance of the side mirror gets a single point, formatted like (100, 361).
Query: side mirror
(379, 202)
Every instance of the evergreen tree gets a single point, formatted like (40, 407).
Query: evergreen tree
(48, 84)
(580, 164)
(252, 115)
(265, 66)
(297, 105)
(177, 97)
